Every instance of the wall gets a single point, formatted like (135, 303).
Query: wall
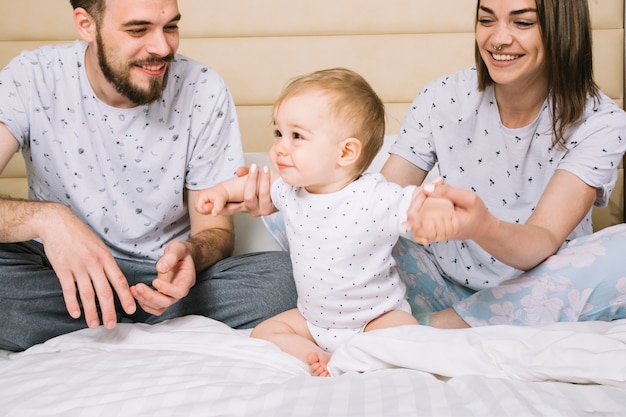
(258, 45)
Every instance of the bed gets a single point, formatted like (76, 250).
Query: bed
(195, 366)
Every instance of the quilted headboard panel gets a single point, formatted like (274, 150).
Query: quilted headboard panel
(257, 46)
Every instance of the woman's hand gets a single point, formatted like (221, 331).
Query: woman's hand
(256, 196)
(442, 212)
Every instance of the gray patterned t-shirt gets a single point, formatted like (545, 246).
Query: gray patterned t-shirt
(122, 171)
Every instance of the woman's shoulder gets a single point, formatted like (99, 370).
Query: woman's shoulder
(601, 113)
(465, 79)
(449, 91)
(452, 96)
(603, 104)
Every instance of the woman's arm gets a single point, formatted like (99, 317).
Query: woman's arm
(564, 203)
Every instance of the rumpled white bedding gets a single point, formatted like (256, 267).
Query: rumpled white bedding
(583, 353)
(194, 366)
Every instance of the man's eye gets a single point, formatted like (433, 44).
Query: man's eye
(136, 31)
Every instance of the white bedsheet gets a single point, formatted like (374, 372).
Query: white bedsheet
(195, 366)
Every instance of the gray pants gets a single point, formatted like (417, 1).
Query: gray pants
(239, 291)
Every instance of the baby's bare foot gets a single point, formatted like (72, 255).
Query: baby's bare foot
(317, 363)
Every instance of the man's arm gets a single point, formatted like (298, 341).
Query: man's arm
(212, 239)
(79, 258)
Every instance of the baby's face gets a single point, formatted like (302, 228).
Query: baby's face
(307, 142)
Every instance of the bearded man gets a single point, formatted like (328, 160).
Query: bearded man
(120, 134)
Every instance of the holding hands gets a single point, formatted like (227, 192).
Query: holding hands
(249, 192)
(441, 212)
(255, 194)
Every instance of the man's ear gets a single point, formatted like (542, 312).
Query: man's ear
(350, 151)
(85, 24)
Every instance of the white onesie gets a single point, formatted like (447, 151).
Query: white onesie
(340, 246)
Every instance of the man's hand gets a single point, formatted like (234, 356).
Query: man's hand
(82, 261)
(176, 274)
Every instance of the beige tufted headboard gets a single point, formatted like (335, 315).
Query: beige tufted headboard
(258, 45)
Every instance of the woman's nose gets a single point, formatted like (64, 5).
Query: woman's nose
(501, 36)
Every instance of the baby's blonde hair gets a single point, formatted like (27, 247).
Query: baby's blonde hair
(354, 102)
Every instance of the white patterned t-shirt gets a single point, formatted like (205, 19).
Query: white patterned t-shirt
(452, 124)
(122, 171)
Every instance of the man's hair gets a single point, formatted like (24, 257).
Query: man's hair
(94, 7)
(565, 28)
(354, 103)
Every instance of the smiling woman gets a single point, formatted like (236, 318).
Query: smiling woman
(520, 166)
(511, 54)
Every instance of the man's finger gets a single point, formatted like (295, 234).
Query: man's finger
(120, 286)
(87, 296)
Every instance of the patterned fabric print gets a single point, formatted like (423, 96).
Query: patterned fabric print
(455, 126)
(427, 289)
(585, 281)
(276, 226)
(122, 171)
(343, 270)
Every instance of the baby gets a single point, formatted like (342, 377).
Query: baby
(341, 222)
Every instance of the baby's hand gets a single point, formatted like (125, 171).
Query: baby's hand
(431, 219)
(437, 221)
(212, 200)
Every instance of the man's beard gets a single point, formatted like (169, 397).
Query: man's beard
(120, 79)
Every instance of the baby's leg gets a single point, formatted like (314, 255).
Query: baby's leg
(289, 331)
(393, 318)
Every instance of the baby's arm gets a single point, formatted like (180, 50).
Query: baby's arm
(213, 199)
